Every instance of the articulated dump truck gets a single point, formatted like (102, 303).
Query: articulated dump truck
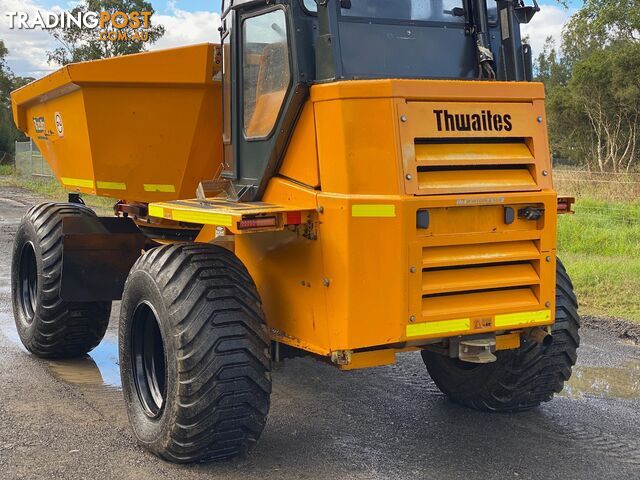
(344, 179)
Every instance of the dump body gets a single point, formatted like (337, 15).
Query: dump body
(143, 127)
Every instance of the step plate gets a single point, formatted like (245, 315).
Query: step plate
(237, 217)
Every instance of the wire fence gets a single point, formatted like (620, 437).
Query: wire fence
(29, 162)
(605, 186)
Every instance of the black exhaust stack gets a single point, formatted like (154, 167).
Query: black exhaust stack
(480, 29)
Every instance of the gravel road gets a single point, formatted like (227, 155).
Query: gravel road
(67, 419)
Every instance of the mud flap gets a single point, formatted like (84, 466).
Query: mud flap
(97, 256)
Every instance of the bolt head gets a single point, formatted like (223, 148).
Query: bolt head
(548, 259)
(409, 177)
(320, 209)
(412, 318)
(326, 282)
(403, 118)
(540, 119)
(412, 269)
(545, 173)
(548, 304)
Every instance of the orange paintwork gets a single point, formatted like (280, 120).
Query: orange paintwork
(365, 279)
(301, 161)
(508, 342)
(365, 158)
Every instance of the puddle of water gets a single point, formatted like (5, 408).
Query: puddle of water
(622, 382)
(99, 368)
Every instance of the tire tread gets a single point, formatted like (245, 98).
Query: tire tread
(62, 329)
(529, 376)
(224, 379)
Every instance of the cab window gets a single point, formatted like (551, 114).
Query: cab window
(407, 10)
(266, 73)
(310, 5)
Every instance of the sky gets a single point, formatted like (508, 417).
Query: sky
(195, 21)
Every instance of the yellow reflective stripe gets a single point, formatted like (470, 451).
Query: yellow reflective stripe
(204, 218)
(77, 182)
(155, 211)
(154, 187)
(373, 210)
(111, 185)
(190, 216)
(523, 318)
(436, 328)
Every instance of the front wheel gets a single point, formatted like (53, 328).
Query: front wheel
(520, 379)
(194, 354)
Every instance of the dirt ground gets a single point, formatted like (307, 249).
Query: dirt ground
(67, 419)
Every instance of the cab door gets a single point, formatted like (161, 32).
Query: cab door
(266, 93)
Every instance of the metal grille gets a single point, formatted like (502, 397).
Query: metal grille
(487, 278)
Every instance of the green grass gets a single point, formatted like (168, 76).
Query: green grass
(600, 247)
(6, 170)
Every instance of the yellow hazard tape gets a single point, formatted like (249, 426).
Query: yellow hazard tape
(437, 328)
(77, 182)
(523, 319)
(520, 319)
(190, 216)
(111, 185)
(373, 210)
(155, 211)
(154, 187)
(204, 218)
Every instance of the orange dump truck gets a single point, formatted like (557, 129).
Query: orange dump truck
(325, 182)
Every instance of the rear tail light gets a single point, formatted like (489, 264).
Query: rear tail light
(565, 205)
(258, 222)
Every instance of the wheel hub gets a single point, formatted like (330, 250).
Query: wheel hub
(28, 284)
(149, 362)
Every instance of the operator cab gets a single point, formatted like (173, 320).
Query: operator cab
(274, 50)
(403, 39)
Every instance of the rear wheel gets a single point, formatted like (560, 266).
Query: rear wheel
(520, 379)
(194, 354)
(47, 325)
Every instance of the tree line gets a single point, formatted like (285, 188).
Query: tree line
(592, 82)
(8, 82)
(75, 44)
